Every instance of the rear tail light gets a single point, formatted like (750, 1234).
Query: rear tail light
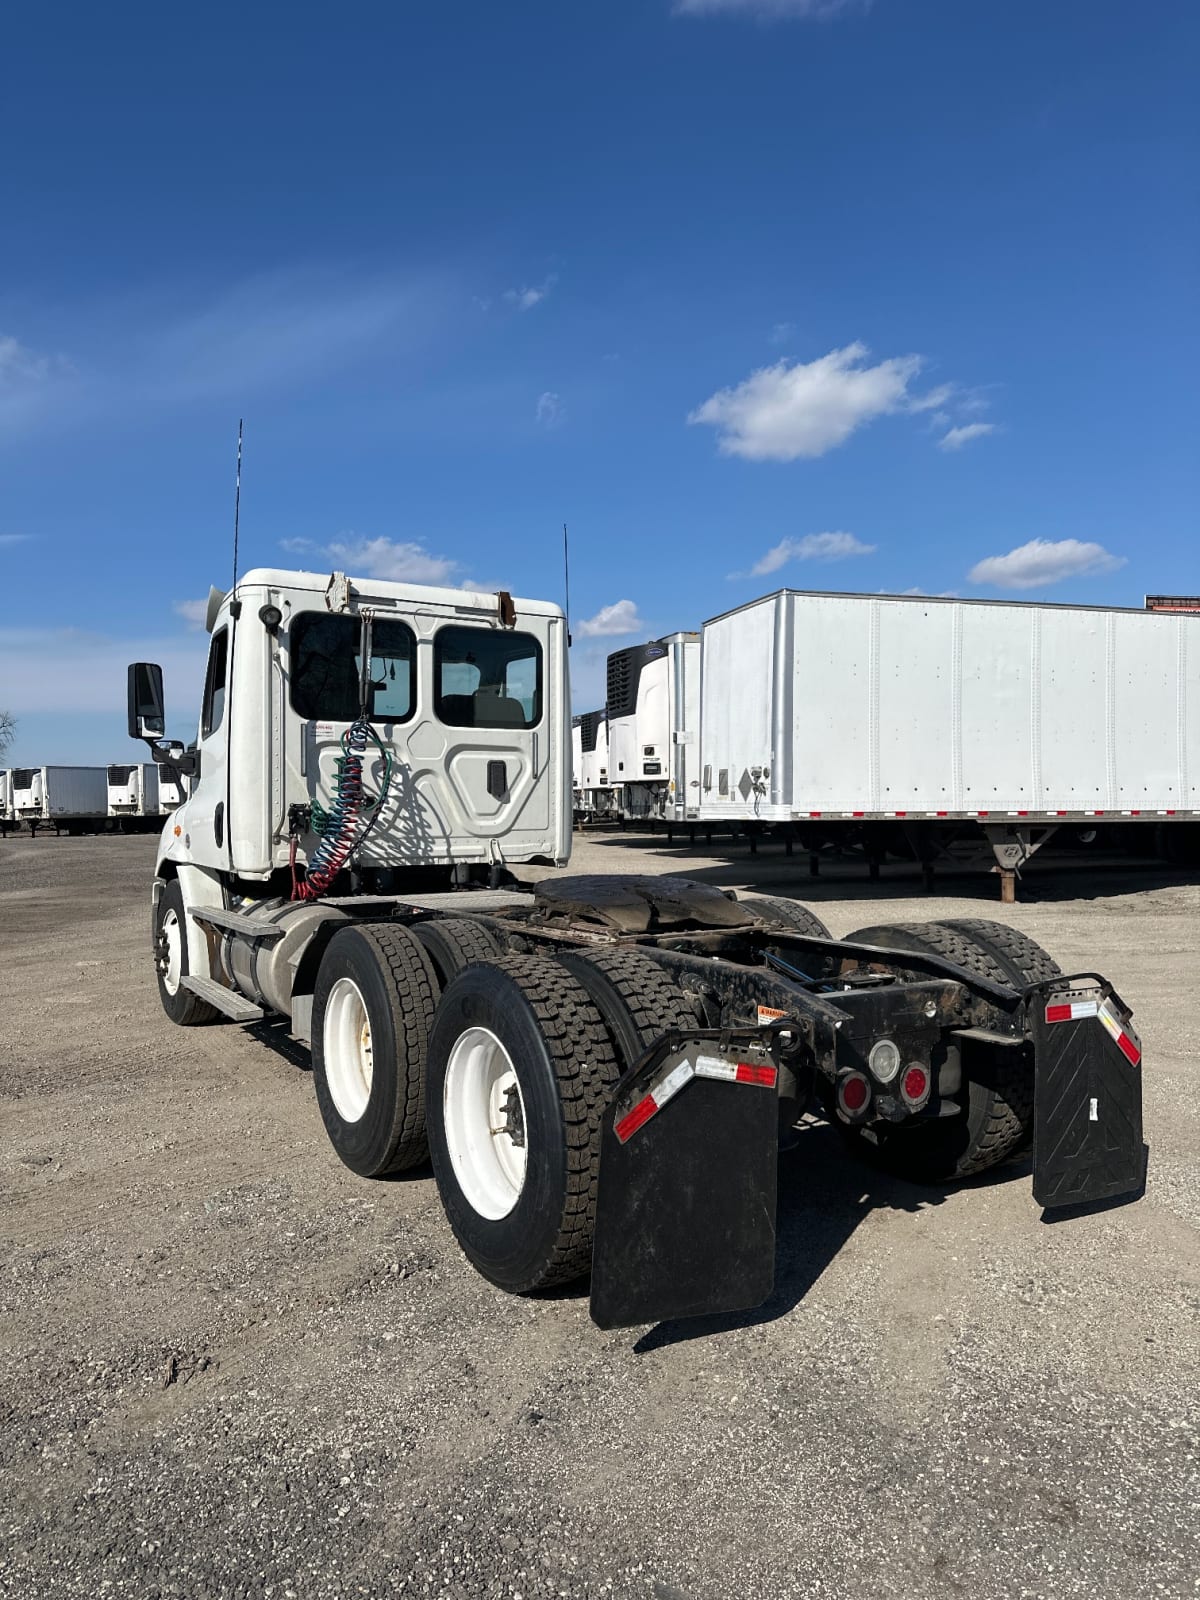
(854, 1095)
(914, 1085)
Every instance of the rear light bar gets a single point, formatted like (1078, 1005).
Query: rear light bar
(759, 1075)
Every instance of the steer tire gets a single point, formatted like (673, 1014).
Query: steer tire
(997, 1116)
(180, 1004)
(537, 1231)
(637, 999)
(375, 1118)
(452, 943)
(789, 916)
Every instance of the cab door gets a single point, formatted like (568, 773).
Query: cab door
(206, 820)
(491, 693)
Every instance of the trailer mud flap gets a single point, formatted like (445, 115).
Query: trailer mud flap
(685, 1213)
(1087, 1113)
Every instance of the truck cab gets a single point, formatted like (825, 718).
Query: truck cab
(467, 701)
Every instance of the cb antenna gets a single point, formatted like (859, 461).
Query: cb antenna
(237, 503)
(567, 585)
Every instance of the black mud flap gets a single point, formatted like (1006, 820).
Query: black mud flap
(1087, 1112)
(685, 1212)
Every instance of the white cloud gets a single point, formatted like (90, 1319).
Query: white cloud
(193, 612)
(781, 412)
(812, 547)
(14, 538)
(806, 10)
(957, 437)
(549, 410)
(393, 560)
(528, 296)
(1045, 561)
(781, 332)
(620, 617)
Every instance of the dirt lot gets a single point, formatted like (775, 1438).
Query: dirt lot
(228, 1367)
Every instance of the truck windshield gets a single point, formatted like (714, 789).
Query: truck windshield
(325, 663)
(485, 679)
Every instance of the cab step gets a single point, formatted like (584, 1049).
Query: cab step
(232, 1004)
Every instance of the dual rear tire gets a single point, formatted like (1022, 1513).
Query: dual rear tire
(499, 1069)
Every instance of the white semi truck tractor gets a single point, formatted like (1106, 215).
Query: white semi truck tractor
(601, 1069)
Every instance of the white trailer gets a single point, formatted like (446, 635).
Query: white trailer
(133, 795)
(654, 714)
(172, 792)
(66, 797)
(822, 709)
(597, 797)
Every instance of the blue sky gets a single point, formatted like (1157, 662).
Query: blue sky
(749, 292)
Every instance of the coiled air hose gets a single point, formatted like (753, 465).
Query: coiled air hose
(339, 826)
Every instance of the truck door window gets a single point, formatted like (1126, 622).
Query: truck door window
(325, 661)
(214, 684)
(487, 679)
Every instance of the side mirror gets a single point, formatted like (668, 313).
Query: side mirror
(147, 718)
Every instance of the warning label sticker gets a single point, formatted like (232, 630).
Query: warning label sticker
(769, 1014)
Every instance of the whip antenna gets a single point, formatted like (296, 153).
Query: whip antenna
(237, 503)
(566, 586)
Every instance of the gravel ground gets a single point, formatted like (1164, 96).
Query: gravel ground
(228, 1367)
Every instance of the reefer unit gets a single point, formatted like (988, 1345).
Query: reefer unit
(133, 790)
(844, 706)
(654, 713)
(51, 794)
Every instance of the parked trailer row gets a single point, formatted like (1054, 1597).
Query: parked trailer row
(128, 796)
(601, 1069)
(842, 715)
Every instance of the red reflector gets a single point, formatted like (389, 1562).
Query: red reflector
(854, 1093)
(633, 1120)
(746, 1073)
(1058, 1013)
(916, 1081)
(1128, 1049)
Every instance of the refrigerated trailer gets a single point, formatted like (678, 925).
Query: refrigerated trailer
(602, 1069)
(172, 792)
(597, 799)
(133, 796)
(653, 728)
(72, 799)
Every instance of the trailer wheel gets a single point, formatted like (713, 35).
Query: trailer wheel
(998, 1114)
(520, 1073)
(373, 1005)
(452, 943)
(171, 962)
(787, 915)
(636, 998)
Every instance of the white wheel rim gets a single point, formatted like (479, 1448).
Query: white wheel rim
(480, 1098)
(349, 1054)
(173, 970)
